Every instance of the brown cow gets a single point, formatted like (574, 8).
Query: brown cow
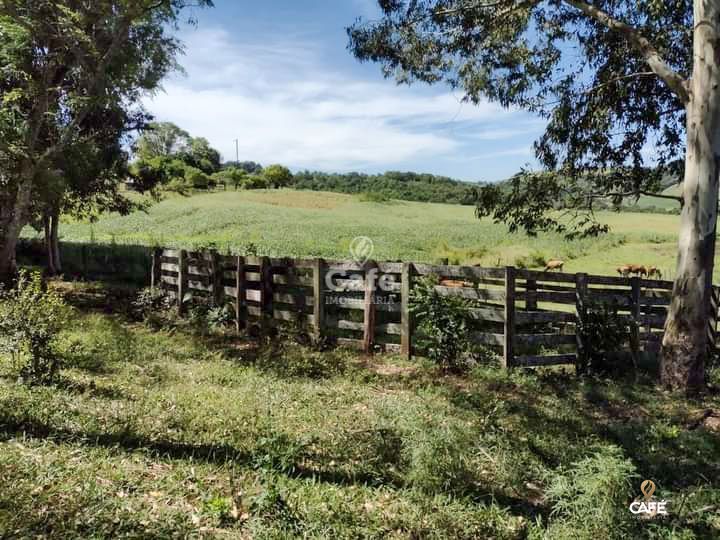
(628, 269)
(554, 264)
(654, 271)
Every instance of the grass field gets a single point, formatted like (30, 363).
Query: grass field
(305, 223)
(174, 434)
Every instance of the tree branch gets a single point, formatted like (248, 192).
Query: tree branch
(637, 193)
(651, 55)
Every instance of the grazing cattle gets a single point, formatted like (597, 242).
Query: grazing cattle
(628, 269)
(654, 271)
(554, 265)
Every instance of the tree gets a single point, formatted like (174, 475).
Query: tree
(66, 64)
(615, 80)
(278, 176)
(201, 155)
(231, 175)
(162, 139)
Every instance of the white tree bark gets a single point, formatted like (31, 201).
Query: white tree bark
(685, 345)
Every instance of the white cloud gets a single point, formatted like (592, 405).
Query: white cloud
(284, 106)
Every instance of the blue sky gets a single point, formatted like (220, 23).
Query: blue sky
(277, 76)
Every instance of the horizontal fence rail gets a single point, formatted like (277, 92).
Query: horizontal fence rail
(530, 318)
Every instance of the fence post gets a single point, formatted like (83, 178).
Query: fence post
(508, 346)
(240, 294)
(580, 313)
(156, 269)
(182, 284)
(635, 314)
(318, 296)
(369, 311)
(531, 299)
(266, 286)
(217, 278)
(84, 259)
(406, 317)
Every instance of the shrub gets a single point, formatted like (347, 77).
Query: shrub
(535, 259)
(603, 332)
(589, 499)
(149, 301)
(373, 196)
(255, 182)
(443, 324)
(197, 179)
(278, 176)
(30, 319)
(219, 317)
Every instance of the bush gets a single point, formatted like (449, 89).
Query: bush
(589, 499)
(278, 176)
(255, 182)
(149, 302)
(197, 179)
(603, 332)
(443, 324)
(373, 196)
(30, 319)
(536, 259)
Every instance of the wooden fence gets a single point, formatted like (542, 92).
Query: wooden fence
(530, 318)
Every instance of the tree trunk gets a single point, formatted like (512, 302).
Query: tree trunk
(685, 345)
(48, 245)
(54, 241)
(11, 232)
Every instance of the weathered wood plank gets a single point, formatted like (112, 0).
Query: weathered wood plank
(540, 361)
(369, 311)
(552, 277)
(546, 339)
(182, 283)
(549, 297)
(170, 280)
(469, 272)
(489, 314)
(485, 338)
(508, 358)
(472, 294)
(406, 325)
(198, 285)
(290, 316)
(358, 344)
(299, 280)
(288, 298)
(318, 283)
(393, 329)
(538, 317)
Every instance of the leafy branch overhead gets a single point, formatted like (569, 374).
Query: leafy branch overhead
(609, 77)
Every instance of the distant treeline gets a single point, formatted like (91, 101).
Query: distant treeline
(406, 186)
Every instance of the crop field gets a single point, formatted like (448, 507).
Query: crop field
(315, 224)
(180, 433)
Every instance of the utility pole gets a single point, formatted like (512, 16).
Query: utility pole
(237, 151)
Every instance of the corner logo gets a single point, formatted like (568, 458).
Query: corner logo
(648, 507)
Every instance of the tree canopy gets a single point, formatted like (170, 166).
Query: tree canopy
(606, 76)
(73, 79)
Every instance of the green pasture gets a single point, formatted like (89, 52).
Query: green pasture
(316, 224)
